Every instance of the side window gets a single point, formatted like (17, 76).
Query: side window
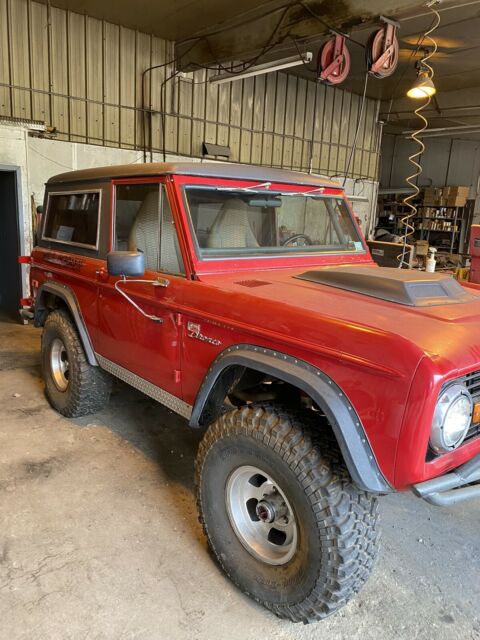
(72, 218)
(144, 222)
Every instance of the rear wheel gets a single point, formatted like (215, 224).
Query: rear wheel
(281, 513)
(73, 387)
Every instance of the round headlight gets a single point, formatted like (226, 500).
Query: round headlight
(451, 419)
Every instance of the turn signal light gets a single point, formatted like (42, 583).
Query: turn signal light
(476, 413)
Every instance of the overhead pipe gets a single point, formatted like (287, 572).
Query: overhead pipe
(444, 131)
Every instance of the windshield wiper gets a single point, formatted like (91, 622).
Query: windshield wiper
(318, 190)
(266, 185)
(255, 186)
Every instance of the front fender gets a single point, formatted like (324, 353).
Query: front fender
(346, 424)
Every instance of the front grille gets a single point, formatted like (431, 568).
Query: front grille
(473, 431)
(472, 382)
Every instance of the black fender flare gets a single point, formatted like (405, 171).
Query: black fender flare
(345, 422)
(69, 298)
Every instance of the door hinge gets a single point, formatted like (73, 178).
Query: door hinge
(177, 376)
(178, 319)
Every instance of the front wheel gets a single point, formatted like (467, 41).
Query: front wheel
(281, 513)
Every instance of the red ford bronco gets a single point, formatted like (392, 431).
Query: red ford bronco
(246, 300)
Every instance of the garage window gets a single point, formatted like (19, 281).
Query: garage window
(72, 218)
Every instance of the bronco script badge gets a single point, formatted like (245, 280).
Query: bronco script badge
(193, 330)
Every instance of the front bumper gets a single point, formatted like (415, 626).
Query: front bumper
(463, 483)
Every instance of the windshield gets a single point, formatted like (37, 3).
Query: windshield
(232, 223)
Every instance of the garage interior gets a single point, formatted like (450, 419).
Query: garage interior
(100, 537)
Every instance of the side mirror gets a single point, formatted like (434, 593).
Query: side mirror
(126, 263)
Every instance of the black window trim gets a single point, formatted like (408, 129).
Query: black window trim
(69, 192)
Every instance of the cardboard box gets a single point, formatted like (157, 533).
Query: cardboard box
(431, 195)
(454, 196)
(421, 248)
(458, 191)
(457, 196)
(456, 201)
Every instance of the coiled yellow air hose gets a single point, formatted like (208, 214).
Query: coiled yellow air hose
(412, 180)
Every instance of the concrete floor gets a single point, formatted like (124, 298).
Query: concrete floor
(99, 537)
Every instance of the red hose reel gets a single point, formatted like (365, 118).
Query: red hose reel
(382, 50)
(333, 62)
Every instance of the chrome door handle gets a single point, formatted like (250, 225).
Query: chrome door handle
(102, 275)
(161, 282)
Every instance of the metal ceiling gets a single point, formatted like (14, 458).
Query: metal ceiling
(240, 27)
(207, 31)
(169, 20)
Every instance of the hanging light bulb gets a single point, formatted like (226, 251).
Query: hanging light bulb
(423, 87)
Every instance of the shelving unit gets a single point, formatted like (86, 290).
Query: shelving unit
(392, 212)
(435, 227)
(443, 229)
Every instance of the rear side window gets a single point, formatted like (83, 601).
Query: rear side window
(72, 218)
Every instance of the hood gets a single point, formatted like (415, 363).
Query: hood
(369, 312)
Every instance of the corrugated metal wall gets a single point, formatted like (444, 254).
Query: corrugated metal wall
(84, 77)
(445, 161)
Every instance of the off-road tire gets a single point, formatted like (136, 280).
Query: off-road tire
(88, 387)
(337, 522)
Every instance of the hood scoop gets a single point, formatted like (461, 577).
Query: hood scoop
(402, 286)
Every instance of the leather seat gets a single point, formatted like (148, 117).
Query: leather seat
(145, 236)
(231, 227)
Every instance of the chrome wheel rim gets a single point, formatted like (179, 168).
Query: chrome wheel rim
(261, 515)
(59, 364)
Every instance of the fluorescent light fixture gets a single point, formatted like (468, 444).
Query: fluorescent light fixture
(423, 87)
(267, 67)
(32, 125)
(210, 149)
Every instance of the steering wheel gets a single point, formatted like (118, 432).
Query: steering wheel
(297, 236)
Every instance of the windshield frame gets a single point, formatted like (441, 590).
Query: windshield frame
(268, 260)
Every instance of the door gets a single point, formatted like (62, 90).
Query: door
(142, 221)
(10, 270)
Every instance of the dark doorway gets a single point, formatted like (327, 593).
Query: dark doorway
(10, 270)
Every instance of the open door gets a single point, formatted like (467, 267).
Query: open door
(10, 270)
